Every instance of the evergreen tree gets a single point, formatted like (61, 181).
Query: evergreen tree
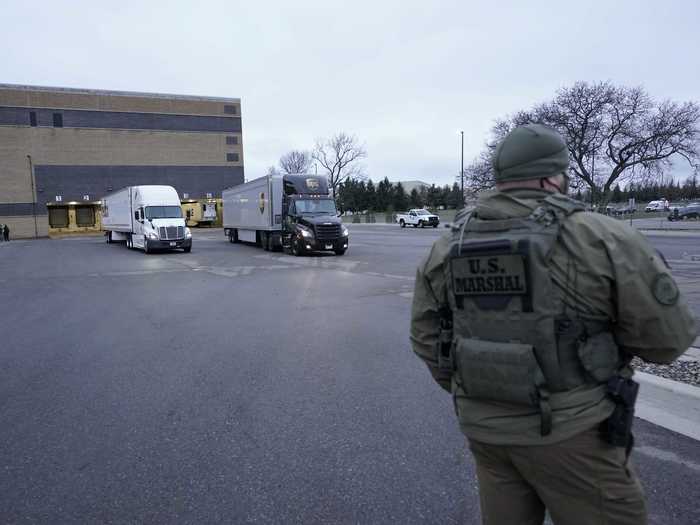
(383, 199)
(400, 198)
(423, 192)
(415, 200)
(455, 198)
(361, 196)
(370, 196)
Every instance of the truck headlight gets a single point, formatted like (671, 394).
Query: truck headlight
(345, 232)
(152, 235)
(306, 233)
(188, 233)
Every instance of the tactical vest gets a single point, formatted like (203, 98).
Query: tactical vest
(514, 341)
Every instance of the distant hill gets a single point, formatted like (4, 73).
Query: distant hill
(408, 185)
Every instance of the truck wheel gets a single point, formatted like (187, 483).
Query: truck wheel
(108, 237)
(265, 239)
(435, 225)
(188, 249)
(129, 245)
(339, 252)
(275, 243)
(402, 223)
(145, 245)
(296, 249)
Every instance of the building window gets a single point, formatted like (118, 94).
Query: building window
(57, 120)
(230, 110)
(32, 118)
(231, 140)
(232, 157)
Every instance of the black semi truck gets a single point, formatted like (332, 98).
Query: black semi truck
(291, 212)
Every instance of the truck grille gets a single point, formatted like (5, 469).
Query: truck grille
(169, 233)
(327, 232)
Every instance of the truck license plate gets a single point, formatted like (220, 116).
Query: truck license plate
(173, 244)
(329, 246)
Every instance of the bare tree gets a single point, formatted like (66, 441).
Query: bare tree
(614, 134)
(295, 161)
(339, 156)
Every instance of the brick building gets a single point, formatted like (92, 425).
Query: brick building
(62, 149)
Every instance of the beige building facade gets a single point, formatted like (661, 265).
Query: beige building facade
(62, 150)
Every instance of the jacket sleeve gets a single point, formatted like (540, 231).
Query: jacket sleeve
(428, 295)
(653, 320)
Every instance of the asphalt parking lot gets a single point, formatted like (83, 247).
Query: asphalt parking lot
(234, 385)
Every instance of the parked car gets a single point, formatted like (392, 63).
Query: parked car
(624, 210)
(417, 218)
(691, 211)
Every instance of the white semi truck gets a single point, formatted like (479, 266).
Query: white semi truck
(294, 212)
(146, 217)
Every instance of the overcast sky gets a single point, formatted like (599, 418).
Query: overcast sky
(403, 76)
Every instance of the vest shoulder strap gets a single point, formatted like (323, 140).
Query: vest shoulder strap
(563, 204)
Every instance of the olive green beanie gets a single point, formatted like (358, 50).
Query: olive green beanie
(532, 151)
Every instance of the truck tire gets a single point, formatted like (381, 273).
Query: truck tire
(435, 225)
(108, 237)
(187, 250)
(145, 245)
(422, 224)
(265, 240)
(275, 243)
(297, 250)
(402, 223)
(129, 244)
(340, 252)
(233, 235)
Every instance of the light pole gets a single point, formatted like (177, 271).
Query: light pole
(461, 172)
(31, 181)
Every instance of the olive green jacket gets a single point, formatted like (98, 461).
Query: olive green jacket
(604, 270)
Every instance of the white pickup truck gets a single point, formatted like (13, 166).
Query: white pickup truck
(417, 218)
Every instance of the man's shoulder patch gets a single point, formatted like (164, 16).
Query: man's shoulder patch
(665, 290)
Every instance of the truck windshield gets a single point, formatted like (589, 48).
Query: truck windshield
(313, 206)
(163, 212)
(422, 212)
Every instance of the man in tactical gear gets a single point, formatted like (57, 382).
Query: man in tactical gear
(528, 312)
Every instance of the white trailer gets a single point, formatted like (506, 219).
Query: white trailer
(145, 217)
(253, 208)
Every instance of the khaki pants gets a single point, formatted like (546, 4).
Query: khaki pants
(580, 481)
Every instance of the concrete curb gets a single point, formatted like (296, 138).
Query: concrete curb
(682, 389)
(648, 229)
(670, 404)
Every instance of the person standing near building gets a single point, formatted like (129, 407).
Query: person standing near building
(528, 312)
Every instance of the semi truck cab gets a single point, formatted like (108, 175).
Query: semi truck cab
(312, 224)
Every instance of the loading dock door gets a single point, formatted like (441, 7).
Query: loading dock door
(58, 217)
(85, 215)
